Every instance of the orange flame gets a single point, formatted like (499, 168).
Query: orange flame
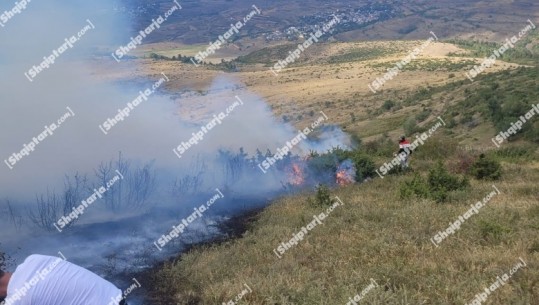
(343, 178)
(346, 173)
(295, 175)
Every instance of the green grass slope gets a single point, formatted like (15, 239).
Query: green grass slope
(382, 235)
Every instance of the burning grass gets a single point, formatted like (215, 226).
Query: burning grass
(375, 235)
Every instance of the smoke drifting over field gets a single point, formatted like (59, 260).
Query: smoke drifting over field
(158, 188)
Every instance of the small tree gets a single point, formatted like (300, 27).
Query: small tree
(485, 168)
(437, 185)
(388, 104)
(415, 187)
(410, 126)
(322, 197)
(365, 166)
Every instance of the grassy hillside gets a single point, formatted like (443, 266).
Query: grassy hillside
(384, 234)
(380, 236)
(525, 51)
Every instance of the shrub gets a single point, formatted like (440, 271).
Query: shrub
(486, 169)
(410, 125)
(322, 196)
(440, 178)
(441, 182)
(415, 187)
(437, 185)
(365, 166)
(323, 166)
(388, 104)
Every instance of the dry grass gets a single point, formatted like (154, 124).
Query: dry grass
(308, 85)
(375, 235)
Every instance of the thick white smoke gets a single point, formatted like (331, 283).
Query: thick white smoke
(151, 132)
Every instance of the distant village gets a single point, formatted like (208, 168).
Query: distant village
(350, 20)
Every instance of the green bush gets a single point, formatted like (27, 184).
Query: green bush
(322, 196)
(416, 187)
(365, 166)
(437, 185)
(441, 182)
(486, 169)
(440, 179)
(410, 125)
(322, 166)
(388, 104)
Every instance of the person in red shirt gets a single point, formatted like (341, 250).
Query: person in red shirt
(405, 152)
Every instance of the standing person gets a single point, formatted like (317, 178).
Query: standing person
(404, 152)
(47, 280)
